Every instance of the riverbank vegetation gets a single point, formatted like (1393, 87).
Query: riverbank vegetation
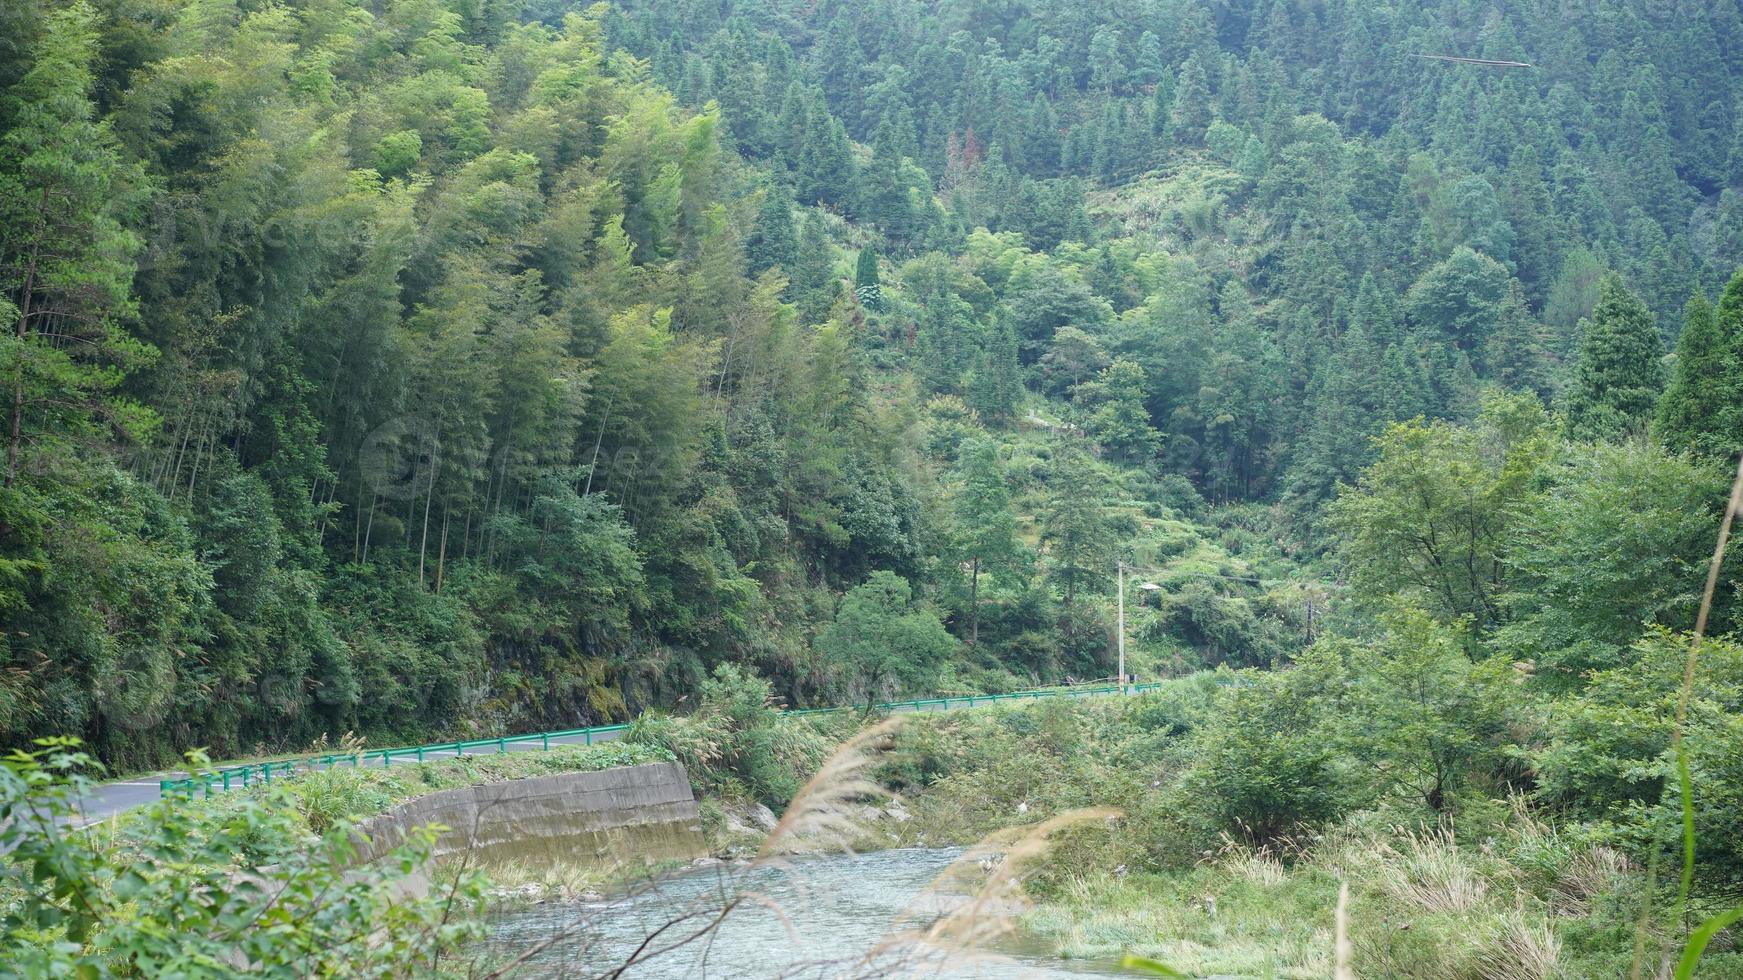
(246, 885)
(260, 880)
(1249, 798)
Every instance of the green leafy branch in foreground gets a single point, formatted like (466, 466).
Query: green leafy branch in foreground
(206, 894)
(1697, 943)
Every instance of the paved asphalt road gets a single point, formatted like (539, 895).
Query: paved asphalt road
(108, 799)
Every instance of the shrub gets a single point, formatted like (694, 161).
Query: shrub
(194, 891)
(737, 743)
(1608, 756)
(1261, 769)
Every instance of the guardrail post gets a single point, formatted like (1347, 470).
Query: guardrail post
(501, 745)
(589, 735)
(420, 753)
(547, 737)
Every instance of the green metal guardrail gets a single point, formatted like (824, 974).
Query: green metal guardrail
(263, 772)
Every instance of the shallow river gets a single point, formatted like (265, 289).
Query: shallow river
(820, 917)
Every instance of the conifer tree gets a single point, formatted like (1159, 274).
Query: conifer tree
(826, 168)
(1514, 353)
(996, 383)
(1618, 378)
(884, 198)
(1162, 108)
(1117, 416)
(773, 242)
(812, 282)
(1190, 113)
(1041, 142)
(1074, 525)
(1702, 407)
(866, 283)
(986, 527)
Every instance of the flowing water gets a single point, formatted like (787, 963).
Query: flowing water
(817, 917)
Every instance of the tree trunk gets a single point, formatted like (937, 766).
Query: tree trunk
(25, 297)
(429, 495)
(599, 440)
(369, 529)
(974, 605)
(442, 552)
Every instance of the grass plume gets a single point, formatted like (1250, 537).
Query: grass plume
(826, 813)
(966, 933)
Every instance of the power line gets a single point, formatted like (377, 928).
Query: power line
(1481, 62)
(1158, 570)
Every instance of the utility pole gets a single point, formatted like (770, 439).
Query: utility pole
(1122, 627)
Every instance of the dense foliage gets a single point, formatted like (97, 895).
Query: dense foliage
(421, 366)
(1394, 765)
(182, 891)
(418, 367)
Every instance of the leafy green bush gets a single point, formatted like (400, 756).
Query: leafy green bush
(1262, 768)
(1413, 712)
(192, 891)
(1608, 758)
(737, 744)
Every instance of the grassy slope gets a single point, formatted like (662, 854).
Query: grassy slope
(1492, 892)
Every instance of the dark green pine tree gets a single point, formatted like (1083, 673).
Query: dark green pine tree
(1109, 146)
(1372, 378)
(1514, 353)
(1526, 198)
(884, 199)
(1702, 409)
(1162, 109)
(1619, 375)
(1190, 113)
(1042, 143)
(826, 168)
(792, 124)
(774, 243)
(986, 529)
(812, 280)
(866, 283)
(996, 384)
(1075, 529)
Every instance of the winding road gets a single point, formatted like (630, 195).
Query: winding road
(108, 799)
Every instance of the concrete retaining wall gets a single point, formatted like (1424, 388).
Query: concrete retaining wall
(614, 818)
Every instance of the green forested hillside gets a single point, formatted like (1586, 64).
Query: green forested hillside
(440, 366)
